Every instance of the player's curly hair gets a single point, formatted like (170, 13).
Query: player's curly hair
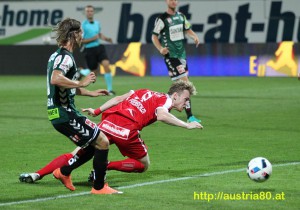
(180, 85)
(66, 30)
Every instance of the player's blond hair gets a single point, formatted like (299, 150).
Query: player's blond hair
(181, 85)
(66, 30)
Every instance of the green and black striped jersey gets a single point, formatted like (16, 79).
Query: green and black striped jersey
(171, 29)
(61, 100)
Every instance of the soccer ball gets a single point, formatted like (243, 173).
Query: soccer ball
(259, 169)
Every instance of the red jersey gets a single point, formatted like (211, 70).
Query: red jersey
(140, 107)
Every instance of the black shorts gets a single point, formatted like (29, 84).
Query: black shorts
(177, 68)
(94, 56)
(80, 130)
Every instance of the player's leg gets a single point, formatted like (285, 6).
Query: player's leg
(178, 69)
(130, 165)
(104, 61)
(130, 145)
(82, 137)
(188, 108)
(108, 77)
(100, 166)
(91, 59)
(87, 135)
(138, 160)
(76, 162)
(135, 149)
(57, 162)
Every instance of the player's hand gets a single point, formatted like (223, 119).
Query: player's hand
(89, 111)
(90, 78)
(164, 51)
(109, 40)
(192, 125)
(99, 92)
(196, 40)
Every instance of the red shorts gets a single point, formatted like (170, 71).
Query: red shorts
(122, 132)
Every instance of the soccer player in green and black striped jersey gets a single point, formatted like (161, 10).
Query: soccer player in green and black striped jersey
(62, 85)
(172, 27)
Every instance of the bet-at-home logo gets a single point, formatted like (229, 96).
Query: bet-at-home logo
(220, 26)
(239, 26)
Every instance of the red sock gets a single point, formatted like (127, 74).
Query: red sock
(127, 165)
(58, 162)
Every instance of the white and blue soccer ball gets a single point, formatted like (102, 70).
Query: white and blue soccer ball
(259, 169)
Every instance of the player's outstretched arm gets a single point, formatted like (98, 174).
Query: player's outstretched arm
(92, 93)
(166, 117)
(110, 103)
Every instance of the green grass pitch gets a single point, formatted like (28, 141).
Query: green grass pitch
(190, 169)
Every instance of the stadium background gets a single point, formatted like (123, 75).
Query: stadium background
(238, 38)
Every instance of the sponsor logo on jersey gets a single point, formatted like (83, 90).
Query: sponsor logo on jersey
(57, 61)
(138, 105)
(176, 32)
(64, 67)
(66, 60)
(115, 130)
(66, 63)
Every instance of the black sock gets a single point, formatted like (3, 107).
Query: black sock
(80, 160)
(188, 109)
(100, 165)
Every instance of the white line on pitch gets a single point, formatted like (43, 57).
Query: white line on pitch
(141, 184)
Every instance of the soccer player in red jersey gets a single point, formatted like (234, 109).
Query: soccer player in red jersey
(123, 117)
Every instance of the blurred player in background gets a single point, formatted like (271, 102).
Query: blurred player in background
(123, 117)
(94, 52)
(62, 86)
(172, 27)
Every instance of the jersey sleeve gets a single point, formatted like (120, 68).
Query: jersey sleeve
(164, 103)
(158, 26)
(63, 63)
(187, 25)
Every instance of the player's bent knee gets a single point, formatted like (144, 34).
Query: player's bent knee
(146, 166)
(146, 162)
(102, 142)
